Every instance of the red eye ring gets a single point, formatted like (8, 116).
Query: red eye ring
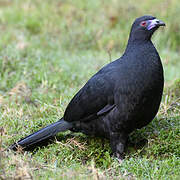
(143, 23)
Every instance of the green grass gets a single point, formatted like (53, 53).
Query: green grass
(48, 50)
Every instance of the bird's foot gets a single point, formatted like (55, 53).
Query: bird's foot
(118, 142)
(119, 157)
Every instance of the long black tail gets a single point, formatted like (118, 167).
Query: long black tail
(35, 139)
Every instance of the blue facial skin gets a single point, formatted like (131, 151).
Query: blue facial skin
(154, 22)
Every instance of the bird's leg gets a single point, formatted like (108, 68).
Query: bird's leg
(118, 143)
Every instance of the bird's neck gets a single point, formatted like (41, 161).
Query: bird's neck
(142, 51)
(137, 44)
(139, 35)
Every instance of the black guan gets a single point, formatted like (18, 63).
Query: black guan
(122, 96)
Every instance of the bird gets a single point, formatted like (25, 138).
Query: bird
(122, 96)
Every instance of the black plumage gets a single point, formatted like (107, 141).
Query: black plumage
(121, 97)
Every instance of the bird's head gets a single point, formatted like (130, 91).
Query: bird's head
(144, 26)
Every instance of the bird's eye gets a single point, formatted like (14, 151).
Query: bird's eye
(143, 23)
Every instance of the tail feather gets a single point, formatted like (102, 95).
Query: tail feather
(42, 135)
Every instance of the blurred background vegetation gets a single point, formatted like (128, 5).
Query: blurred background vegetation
(48, 50)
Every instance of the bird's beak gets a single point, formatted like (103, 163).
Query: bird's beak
(155, 23)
